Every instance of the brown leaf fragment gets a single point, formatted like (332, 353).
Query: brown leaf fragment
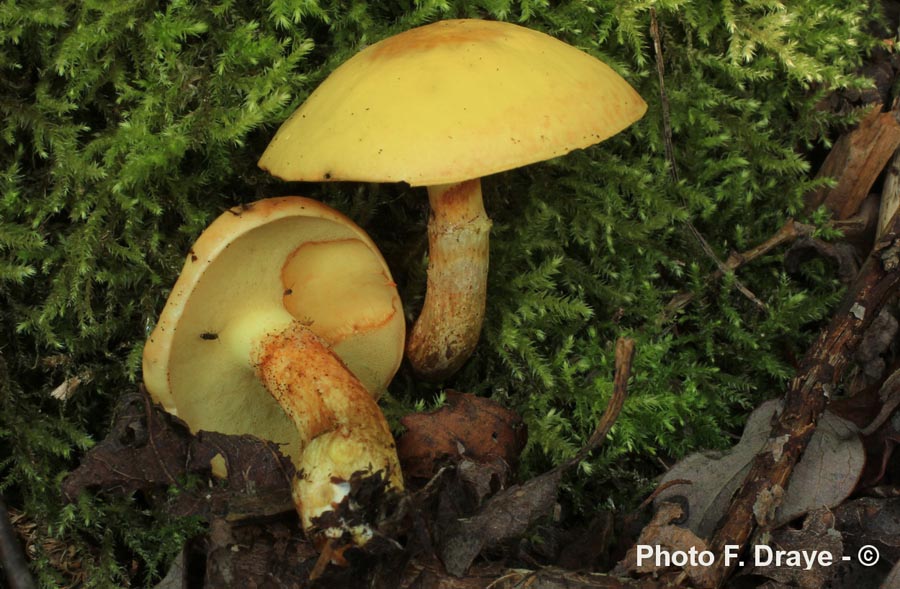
(817, 541)
(664, 535)
(505, 515)
(147, 450)
(142, 450)
(826, 475)
(257, 483)
(873, 521)
(468, 426)
(483, 479)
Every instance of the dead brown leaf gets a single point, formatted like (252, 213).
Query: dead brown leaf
(147, 449)
(468, 426)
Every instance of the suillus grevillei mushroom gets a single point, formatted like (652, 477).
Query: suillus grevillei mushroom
(441, 106)
(285, 323)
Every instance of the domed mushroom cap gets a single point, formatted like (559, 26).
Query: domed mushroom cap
(252, 272)
(451, 101)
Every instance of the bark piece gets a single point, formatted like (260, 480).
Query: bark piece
(856, 160)
(890, 194)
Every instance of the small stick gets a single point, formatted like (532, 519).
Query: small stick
(660, 489)
(788, 232)
(624, 360)
(12, 560)
(148, 408)
(323, 561)
(670, 157)
(663, 97)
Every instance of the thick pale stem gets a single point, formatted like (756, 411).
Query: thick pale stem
(342, 429)
(448, 328)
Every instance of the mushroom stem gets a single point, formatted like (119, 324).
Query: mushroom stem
(342, 430)
(447, 330)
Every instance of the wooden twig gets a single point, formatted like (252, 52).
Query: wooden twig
(663, 97)
(788, 232)
(754, 504)
(148, 408)
(12, 560)
(856, 160)
(670, 158)
(624, 360)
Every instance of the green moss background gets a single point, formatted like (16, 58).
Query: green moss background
(127, 126)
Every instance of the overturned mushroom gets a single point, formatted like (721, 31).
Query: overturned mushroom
(285, 324)
(441, 106)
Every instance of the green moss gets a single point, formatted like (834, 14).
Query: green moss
(127, 126)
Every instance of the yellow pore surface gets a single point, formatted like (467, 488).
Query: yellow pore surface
(254, 270)
(452, 101)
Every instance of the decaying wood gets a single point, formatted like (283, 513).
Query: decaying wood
(755, 502)
(856, 160)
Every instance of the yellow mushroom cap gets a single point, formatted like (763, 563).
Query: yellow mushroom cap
(452, 101)
(252, 272)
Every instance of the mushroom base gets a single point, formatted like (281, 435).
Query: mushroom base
(343, 432)
(370, 502)
(448, 328)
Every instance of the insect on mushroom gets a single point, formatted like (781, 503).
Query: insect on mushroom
(441, 106)
(287, 327)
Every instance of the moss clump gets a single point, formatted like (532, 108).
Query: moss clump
(128, 126)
